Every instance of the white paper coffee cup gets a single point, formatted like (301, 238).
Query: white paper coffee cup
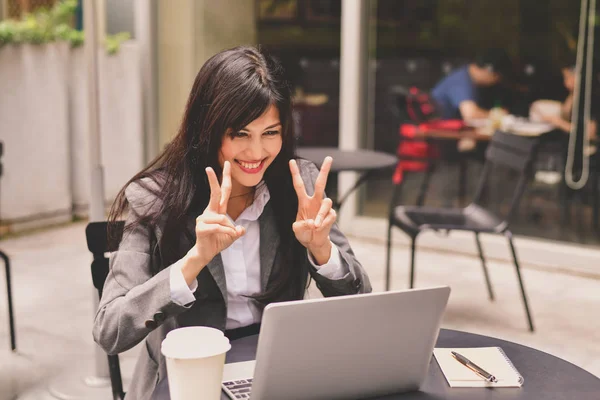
(195, 358)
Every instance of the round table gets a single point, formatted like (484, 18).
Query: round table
(546, 377)
(366, 162)
(360, 160)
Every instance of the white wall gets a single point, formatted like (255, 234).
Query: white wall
(43, 113)
(35, 131)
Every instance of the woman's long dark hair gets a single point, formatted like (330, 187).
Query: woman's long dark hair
(232, 89)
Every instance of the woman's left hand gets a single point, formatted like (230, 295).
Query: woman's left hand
(315, 216)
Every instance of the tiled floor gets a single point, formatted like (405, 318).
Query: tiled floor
(54, 308)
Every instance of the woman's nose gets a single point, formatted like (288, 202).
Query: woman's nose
(255, 149)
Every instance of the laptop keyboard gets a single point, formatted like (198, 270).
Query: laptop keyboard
(239, 389)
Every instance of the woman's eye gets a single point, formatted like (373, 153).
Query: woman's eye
(239, 134)
(271, 133)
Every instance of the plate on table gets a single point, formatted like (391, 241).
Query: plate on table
(528, 128)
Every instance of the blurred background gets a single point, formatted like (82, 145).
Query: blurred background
(149, 52)
(152, 57)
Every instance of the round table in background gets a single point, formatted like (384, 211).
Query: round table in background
(546, 377)
(365, 162)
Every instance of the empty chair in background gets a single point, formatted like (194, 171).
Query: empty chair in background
(509, 151)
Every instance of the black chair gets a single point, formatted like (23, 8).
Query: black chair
(6, 259)
(98, 243)
(513, 152)
(397, 106)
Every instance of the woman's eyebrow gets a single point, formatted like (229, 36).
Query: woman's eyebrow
(268, 127)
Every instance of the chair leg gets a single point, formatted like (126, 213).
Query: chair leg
(11, 316)
(393, 202)
(514, 254)
(412, 260)
(425, 184)
(462, 181)
(388, 257)
(485, 270)
(116, 381)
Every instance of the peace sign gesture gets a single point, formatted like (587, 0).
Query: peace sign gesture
(315, 216)
(214, 230)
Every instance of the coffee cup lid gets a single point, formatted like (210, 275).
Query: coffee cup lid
(194, 342)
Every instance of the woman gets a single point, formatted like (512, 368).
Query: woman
(197, 251)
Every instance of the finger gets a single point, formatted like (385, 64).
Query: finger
(298, 182)
(321, 181)
(208, 229)
(303, 225)
(328, 221)
(225, 187)
(215, 218)
(240, 230)
(323, 212)
(215, 190)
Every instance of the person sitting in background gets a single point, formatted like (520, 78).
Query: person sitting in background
(457, 94)
(562, 119)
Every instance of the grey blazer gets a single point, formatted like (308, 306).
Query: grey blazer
(136, 304)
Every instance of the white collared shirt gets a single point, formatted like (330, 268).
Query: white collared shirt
(241, 262)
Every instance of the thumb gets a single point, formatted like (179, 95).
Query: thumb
(240, 230)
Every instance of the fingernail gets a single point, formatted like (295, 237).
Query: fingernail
(318, 222)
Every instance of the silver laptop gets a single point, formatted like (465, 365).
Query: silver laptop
(342, 347)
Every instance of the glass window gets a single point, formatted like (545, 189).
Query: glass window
(421, 43)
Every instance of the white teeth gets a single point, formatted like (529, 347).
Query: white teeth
(250, 166)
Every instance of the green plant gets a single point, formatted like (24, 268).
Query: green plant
(50, 25)
(113, 42)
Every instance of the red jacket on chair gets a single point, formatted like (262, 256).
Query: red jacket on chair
(416, 153)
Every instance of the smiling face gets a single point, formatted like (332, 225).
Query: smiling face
(251, 150)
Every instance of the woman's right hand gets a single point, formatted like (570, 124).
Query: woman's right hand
(214, 230)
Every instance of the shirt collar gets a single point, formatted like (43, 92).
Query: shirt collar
(261, 198)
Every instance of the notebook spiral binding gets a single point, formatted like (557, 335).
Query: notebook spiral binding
(520, 378)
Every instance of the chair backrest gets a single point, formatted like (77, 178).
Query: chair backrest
(515, 153)
(99, 243)
(411, 104)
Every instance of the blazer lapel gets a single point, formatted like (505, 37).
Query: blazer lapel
(218, 273)
(269, 243)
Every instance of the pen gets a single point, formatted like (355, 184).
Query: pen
(474, 367)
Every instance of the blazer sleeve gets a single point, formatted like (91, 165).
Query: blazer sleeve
(134, 301)
(357, 280)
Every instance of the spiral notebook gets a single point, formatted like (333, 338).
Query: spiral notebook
(491, 359)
